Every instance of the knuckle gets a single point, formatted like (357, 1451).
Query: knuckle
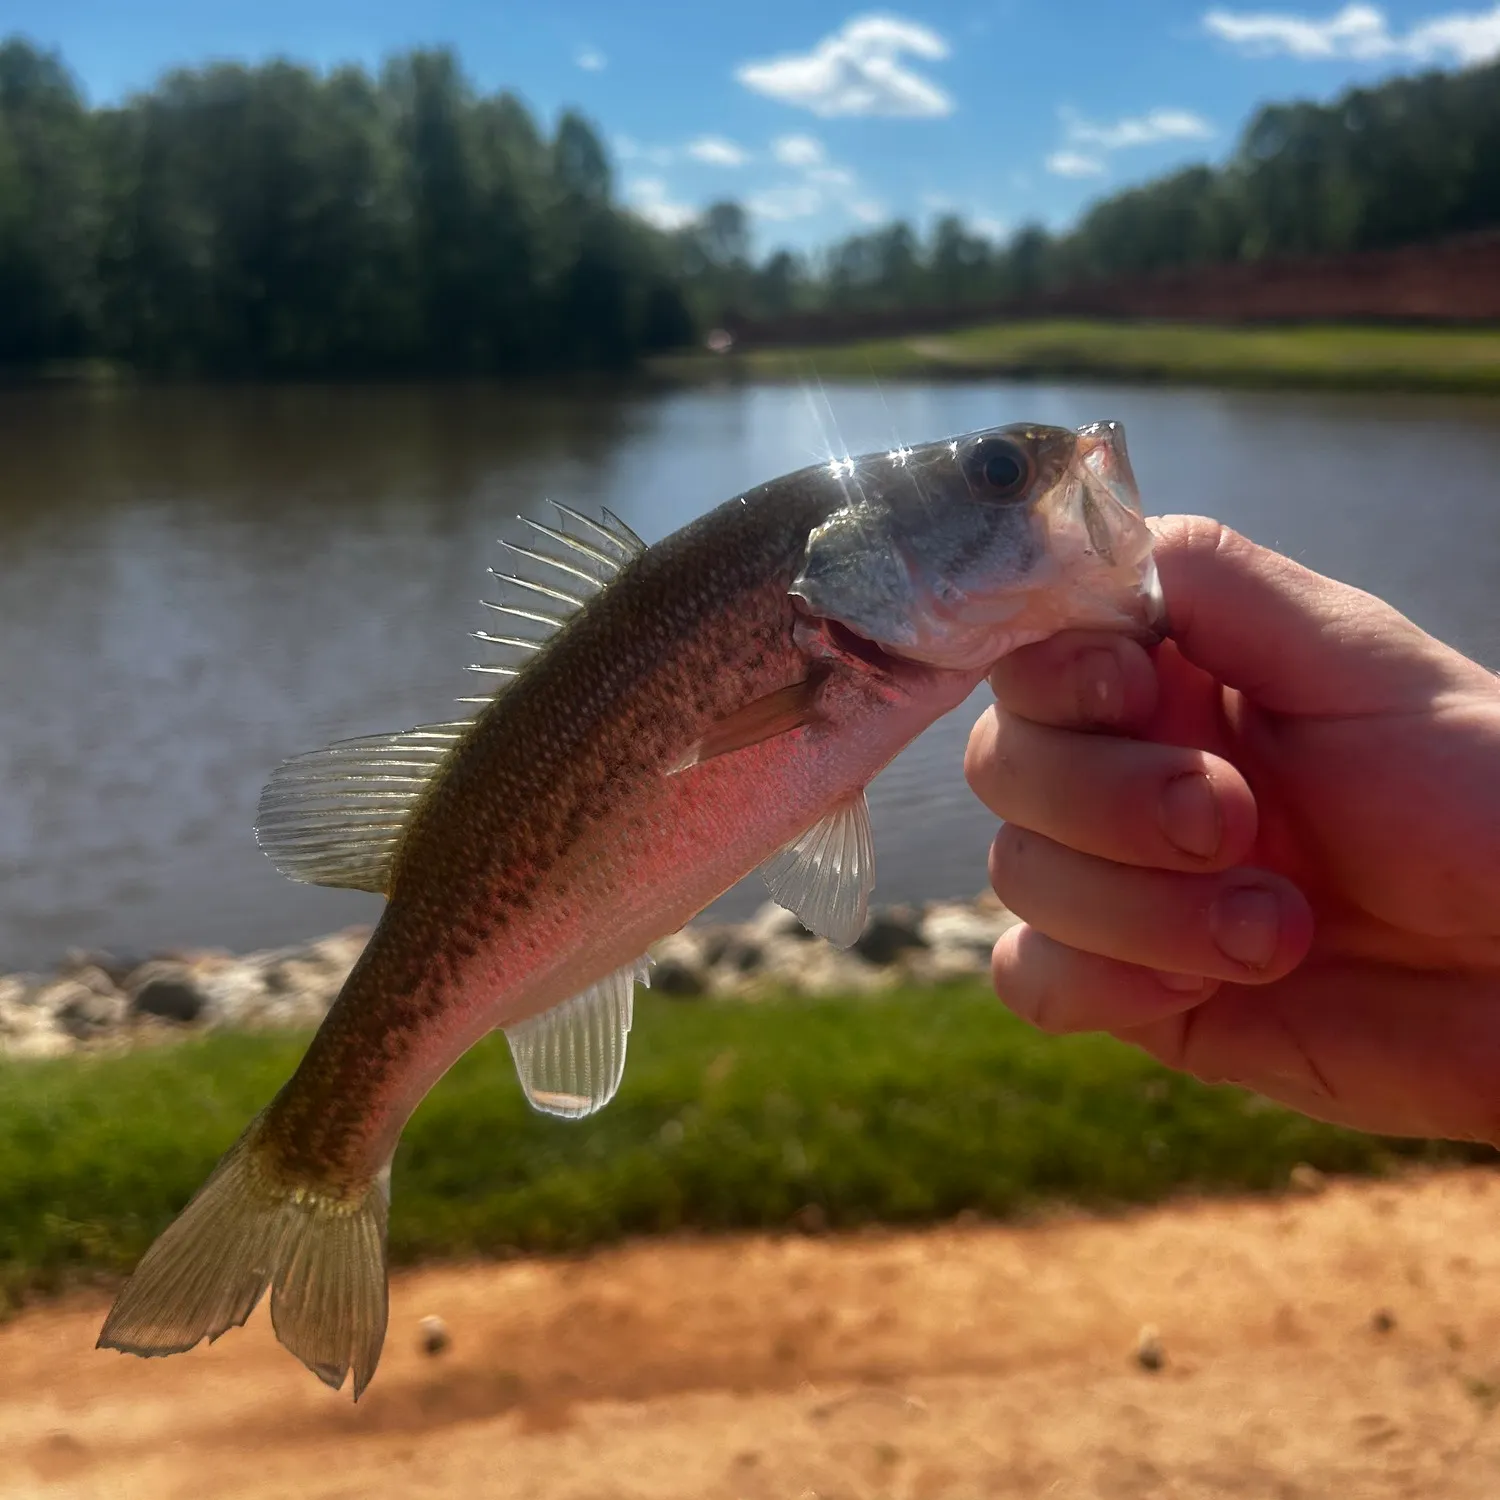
(979, 753)
(1009, 863)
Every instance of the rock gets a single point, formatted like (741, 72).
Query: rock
(679, 967)
(826, 970)
(1306, 1179)
(772, 921)
(890, 933)
(82, 1011)
(16, 991)
(742, 955)
(168, 991)
(811, 1218)
(939, 965)
(29, 1029)
(1149, 1353)
(952, 924)
(434, 1335)
(674, 976)
(41, 1040)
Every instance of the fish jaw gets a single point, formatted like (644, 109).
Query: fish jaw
(930, 564)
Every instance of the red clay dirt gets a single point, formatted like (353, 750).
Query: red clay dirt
(1344, 1344)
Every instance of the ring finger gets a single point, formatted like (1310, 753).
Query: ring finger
(1244, 925)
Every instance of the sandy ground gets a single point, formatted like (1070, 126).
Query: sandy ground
(1342, 1344)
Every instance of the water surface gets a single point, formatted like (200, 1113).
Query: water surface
(195, 584)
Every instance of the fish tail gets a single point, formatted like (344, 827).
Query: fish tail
(322, 1254)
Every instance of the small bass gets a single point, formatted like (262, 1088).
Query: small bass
(672, 718)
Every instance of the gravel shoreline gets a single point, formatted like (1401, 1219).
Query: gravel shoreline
(94, 1002)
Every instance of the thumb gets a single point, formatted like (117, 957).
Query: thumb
(1290, 639)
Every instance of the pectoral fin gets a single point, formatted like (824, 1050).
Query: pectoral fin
(788, 708)
(826, 875)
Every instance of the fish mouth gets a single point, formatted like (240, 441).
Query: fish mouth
(839, 639)
(849, 642)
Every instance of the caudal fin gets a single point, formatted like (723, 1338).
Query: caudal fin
(323, 1258)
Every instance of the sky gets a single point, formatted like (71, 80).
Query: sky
(820, 117)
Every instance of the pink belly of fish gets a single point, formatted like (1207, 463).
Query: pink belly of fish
(664, 854)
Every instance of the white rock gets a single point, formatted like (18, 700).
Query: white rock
(951, 925)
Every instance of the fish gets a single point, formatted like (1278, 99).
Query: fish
(668, 720)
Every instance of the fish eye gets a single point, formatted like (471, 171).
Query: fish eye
(999, 467)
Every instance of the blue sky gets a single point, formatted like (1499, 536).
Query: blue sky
(820, 116)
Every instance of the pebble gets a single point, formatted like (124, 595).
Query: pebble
(1149, 1353)
(434, 1334)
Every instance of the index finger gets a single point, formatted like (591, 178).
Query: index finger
(1079, 679)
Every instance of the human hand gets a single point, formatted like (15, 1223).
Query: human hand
(1267, 851)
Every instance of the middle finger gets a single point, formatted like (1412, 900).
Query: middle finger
(1130, 801)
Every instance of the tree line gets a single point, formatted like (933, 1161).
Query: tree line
(272, 221)
(1413, 159)
(275, 221)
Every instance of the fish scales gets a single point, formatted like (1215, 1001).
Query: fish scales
(552, 810)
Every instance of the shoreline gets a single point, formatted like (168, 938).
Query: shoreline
(93, 1002)
(1334, 357)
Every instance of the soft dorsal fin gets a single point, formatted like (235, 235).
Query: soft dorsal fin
(825, 875)
(570, 1059)
(552, 580)
(335, 816)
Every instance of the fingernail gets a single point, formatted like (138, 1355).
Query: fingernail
(1190, 815)
(1184, 984)
(1245, 924)
(1101, 690)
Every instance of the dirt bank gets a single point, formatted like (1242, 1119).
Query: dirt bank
(1343, 1344)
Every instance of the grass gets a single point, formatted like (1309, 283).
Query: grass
(901, 1109)
(1331, 356)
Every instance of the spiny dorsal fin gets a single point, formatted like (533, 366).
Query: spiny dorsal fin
(553, 578)
(570, 1059)
(825, 875)
(335, 816)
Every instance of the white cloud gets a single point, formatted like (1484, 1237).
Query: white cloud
(796, 201)
(990, 227)
(831, 176)
(627, 148)
(717, 152)
(1139, 130)
(867, 210)
(858, 70)
(1359, 31)
(798, 150)
(649, 197)
(1074, 164)
(1085, 143)
(591, 60)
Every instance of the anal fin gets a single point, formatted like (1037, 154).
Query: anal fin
(825, 875)
(570, 1059)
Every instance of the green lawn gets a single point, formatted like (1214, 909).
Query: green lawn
(1330, 356)
(901, 1109)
